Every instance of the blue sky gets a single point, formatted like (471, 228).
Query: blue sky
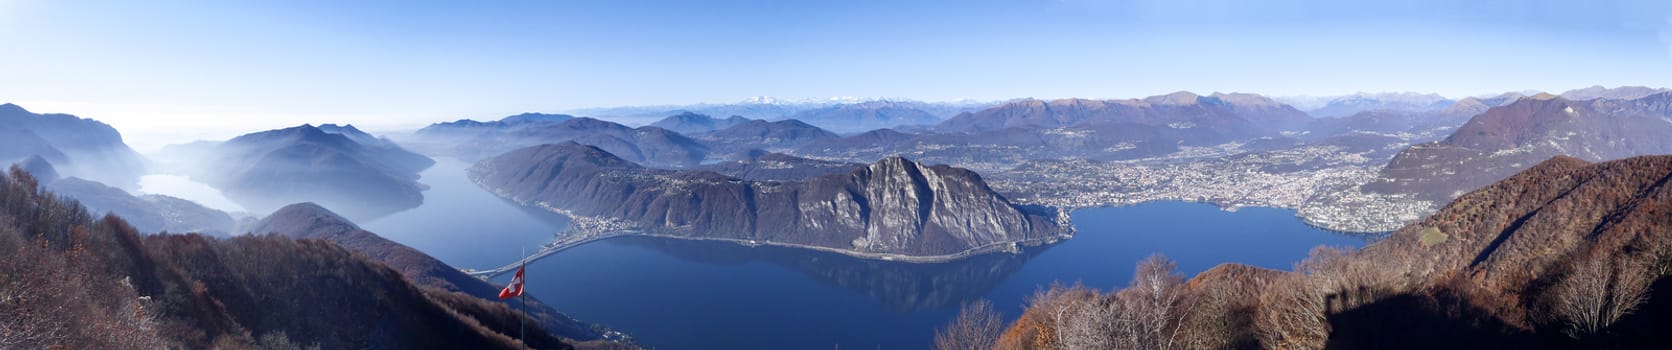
(173, 69)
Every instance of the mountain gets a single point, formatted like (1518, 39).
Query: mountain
(759, 134)
(1566, 255)
(690, 123)
(19, 144)
(1564, 252)
(76, 281)
(78, 146)
(476, 140)
(1510, 138)
(515, 120)
(1619, 93)
(382, 148)
(770, 108)
(1231, 115)
(1002, 137)
(266, 170)
(865, 116)
(310, 221)
(40, 168)
(1406, 126)
(892, 207)
(1341, 106)
(879, 138)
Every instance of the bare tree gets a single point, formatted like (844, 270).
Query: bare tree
(1153, 306)
(1599, 291)
(1089, 323)
(1292, 314)
(976, 328)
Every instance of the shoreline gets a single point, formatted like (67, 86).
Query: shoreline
(548, 248)
(1003, 247)
(998, 247)
(1233, 207)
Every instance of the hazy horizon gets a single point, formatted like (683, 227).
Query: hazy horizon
(149, 140)
(185, 71)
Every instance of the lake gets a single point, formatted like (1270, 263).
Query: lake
(465, 226)
(672, 294)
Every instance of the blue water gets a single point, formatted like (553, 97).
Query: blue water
(465, 226)
(710, 295)
(672, 294)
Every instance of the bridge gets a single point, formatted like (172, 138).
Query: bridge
(561, 243)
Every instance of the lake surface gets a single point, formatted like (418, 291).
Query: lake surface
(183, 187)
(465, 226)
(672, 294)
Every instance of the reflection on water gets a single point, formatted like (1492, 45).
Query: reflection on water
(718, 295)
(901, 286)
(681, 294)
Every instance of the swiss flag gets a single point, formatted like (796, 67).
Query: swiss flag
(515, 288)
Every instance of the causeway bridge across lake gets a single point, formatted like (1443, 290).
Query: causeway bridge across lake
(561, 243)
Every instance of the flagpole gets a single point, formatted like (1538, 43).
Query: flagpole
(523, 294)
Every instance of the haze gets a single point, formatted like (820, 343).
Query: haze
(154, 70)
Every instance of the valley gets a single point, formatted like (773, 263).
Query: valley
(1004, 195)
(818, 174)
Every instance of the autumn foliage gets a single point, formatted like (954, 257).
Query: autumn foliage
(1566, 254)
(70, 280)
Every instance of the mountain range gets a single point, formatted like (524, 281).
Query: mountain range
(266, 170)
(779, 135)
(77, 147)
(894, 206)
(1232, 115)
(471, 140)
(832, 114)
(872, 115)
(1507, 139)
(1341, 106)
(691, 123)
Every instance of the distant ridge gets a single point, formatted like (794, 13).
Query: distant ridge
(1513, 137)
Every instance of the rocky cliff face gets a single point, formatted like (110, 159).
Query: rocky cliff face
(893, 206)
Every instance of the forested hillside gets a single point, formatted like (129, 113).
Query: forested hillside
(1566, 254)
(70, 280)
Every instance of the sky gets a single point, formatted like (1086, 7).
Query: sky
(173, 71)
